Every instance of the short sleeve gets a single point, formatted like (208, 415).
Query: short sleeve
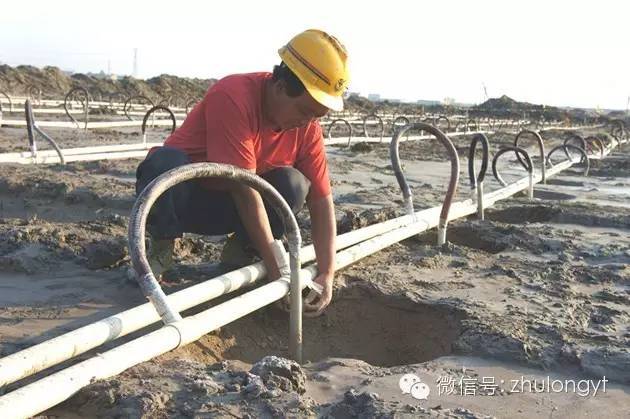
(229, 137)
(311, 161)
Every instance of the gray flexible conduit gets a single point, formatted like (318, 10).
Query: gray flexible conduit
(527, 163)
(140, 211)
(541, 146)
(31, 128)
(86, 105)
(159, 108)
(564, 147)
(475, 179)
(400, 176)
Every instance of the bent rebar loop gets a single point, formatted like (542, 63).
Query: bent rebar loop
(330, 127)
(165, 100)
(474, 178)
(541, 146)
(527, 163)
(32, 128)
(402, 181)
(137, 225)
(154, 109)
(574, 138)
(474, 123)
(380, 121)
(593, 140)
(443, 118)
(191, 101)
(86, 105)
(32, 91)
(584, 157)
(9, 99)
(127, 105)
(396, 125)
(617, 131)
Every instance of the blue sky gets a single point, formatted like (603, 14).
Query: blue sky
(552, 52)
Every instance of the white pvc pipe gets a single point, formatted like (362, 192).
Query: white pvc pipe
(480, 201)
(49, 391)
(51, 352)
(141, 152)
(14, 157)
(91, 124)
(59, 349)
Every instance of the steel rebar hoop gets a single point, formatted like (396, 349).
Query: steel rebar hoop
(136, 237)
(159, 108)
(598, 142)
(527, 163)
(330, 127)
(617, 130)
(191, 101)
(86, 105)
(584, 156)
(165, 100)
(380, 121)
(9, 99)
(541, 146)
(402, 181)
(32, 91)
(443, 118)
(395, 124)
(127, 105)
(468, 124)
(32, 128)
(574, 137)
(474, 178)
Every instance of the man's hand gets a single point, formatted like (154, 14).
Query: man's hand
(317, 307)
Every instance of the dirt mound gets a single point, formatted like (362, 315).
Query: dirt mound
(51, 82)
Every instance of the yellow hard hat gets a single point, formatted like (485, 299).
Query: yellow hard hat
(319, 60)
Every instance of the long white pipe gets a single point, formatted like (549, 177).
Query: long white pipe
(64, 347)
(13, 157)
(49, 391)
(141, 152)
(51, 352)
(91, 124)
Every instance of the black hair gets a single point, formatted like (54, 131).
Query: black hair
(294, 86)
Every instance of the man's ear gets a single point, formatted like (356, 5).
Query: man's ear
(280, 87)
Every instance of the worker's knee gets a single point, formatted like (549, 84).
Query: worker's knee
(161, 160)
(291, 184)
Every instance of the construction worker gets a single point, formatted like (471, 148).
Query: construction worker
(266, 123)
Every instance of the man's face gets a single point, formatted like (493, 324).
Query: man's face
(295, 112)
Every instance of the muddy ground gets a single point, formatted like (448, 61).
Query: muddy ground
(538, 289)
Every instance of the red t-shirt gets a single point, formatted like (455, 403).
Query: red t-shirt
(227, 127)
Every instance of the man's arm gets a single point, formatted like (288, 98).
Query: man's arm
(324, 233)
(251, 211)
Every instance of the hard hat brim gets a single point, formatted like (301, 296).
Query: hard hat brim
(334, 103)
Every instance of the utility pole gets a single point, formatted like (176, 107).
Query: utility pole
(109, 67)
(485, 91)
(135, 63)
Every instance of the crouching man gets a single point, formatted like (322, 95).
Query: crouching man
(266, 123)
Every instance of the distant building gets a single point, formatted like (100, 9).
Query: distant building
(428, 102)
(374, 97)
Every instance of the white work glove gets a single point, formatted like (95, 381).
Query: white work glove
(282, 260)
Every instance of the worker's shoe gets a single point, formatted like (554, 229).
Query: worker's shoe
(236, 253)
(161, 256)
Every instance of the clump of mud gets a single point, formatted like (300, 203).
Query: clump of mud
(177, 388)
(353, 220)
